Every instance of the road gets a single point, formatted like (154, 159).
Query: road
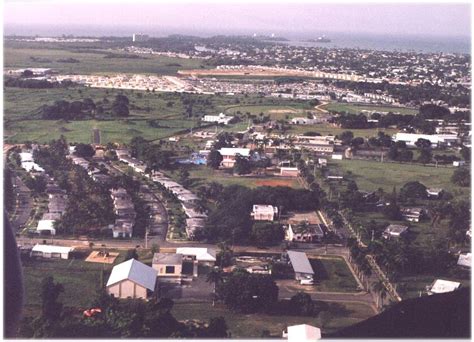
(23, 205)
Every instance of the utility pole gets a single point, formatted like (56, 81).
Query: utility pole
(146, 239)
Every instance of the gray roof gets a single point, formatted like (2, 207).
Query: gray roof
(167, 259)
(135, 271)
(300, 262)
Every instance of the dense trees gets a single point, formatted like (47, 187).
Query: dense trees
(248, 293)
(120, 106)
(242, 165)
(267, 233)
(8, 193)
(413, 189)
(231, 220)
(214, 159)
(84, 150)
(462, 177)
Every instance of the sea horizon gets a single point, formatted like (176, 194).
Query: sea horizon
(351, 40)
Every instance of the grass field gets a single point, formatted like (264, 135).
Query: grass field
(328, 129)
(333, 275)
(95, 63)
(201, 175)
(279, 112)
(252, 326)
(371, 175)
(356, 109)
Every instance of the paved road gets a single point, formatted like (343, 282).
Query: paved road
(23, 205)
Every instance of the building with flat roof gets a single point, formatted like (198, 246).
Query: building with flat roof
(394, 231)
(169, 266)
(443, 286)
(261, 212)
(51, 252)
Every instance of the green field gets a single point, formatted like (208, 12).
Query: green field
(200, 175)
(333, 275)
(252, 325)
(328, 129)
(356, 109)
(279, 112)
(371, 175)
(95, 63)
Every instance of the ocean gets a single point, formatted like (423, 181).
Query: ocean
(383, 42)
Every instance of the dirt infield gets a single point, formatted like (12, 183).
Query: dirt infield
(275, 182)
(98, 256)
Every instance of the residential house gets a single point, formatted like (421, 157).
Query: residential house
(46, 226)
(123, 228)
(220, 119)
(169, 266)
(394, 231)
(464, 260)
(412, 214)
(262, 212)
(229, 155)
(132, 279)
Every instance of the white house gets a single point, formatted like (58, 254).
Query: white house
(51, 252)
(436, 139)
(394, 230)
(262, 212)
(131, 279)
(303, 121)
(229, 155)
(202, 255)
(46, 226)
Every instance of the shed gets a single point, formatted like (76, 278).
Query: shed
(46, 226)
(131, 279)
(51, 252)
(301, 265)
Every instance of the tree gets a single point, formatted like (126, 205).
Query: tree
(27, 73)
(248, 293)
(346, 137)
(423, 143)
(462, 177)
(242, 165)
(183, 177)
(379, 288)
(84, 150)
(36, 184)
(413, 189)
(466, 153)
(217, 328)
(214, 277)
(131, 254)
(302, 304)
(120, 109)
(267, 234)
(214, 159)
(356, 142)
(425, 156)
(8, 193)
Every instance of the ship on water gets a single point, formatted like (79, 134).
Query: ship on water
(321, 39)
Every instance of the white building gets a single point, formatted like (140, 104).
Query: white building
(131, 279)
(46, 226)
(51, 252)
(443, 286)
(394, 230)
(303, 333)
(220, 119)
(436, 139)
(262, 212)
(465, 260)
(229, 155)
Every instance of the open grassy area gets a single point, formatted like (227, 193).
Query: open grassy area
(201, 175)
(276, 112)
(356, 109)
(93, 62)
(371, 175)
(328, 129)
(252, 326)
(333, 275)
(411, 286)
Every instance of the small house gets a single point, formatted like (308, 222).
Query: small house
(131, 279)
(169, 266)
(412, 214)
(304, 232)
(464, 260)
(262, 212)
(394, 231)
(46, 226)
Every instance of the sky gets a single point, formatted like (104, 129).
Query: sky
(263, 18)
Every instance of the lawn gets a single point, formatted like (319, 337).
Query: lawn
(252, 326)
(371, 175)
(94, 62)
(333, 275)
(411, 286)
(356, 109)
(328, 129)
(278, 112)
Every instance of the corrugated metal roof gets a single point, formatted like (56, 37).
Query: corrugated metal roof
(300, 262)
(202, 254)
(51, 249)
(135, 271)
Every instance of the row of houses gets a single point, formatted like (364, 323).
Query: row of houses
(195, 218)
(124, 213)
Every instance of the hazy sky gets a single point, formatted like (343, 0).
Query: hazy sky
(424, 18)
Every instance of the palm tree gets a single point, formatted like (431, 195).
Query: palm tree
(367, 271)
(380, 289)
(214, 276)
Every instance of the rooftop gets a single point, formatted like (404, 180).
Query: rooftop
(167, 258)
(300, 262)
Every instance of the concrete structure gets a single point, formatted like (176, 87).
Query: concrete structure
(304, 233)
(301, 265)
(169, 266)
(395, 231)
(131, 279)
(289, 171)
(204, 256)
(465, 260)
(220, 119)
(303, 121)
(262, 212)
(443, 286)
(303, 333)
(51, 252)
